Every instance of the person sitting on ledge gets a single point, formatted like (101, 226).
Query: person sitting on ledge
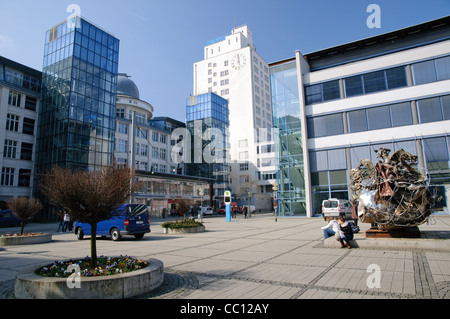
(346, 232)
(331, 229)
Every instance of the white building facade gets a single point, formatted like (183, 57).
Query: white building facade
(232, 69)
(148, 147)
(19, 102)
(389, 91)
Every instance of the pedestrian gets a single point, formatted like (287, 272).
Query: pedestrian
(61, 221)
(346, 232)
(233, 213)
(244, 210)
(66, 220)
(332, 229)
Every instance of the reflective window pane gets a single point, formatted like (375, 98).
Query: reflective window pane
(443, 68)
(396, 77)
(357, 121)
(429, 110)
(374, 82)
(378, 118)
(401, 114)
(424, 72)
(353, 86)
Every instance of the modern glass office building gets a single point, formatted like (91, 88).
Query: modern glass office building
(78, 105)
(289, 151)
(337, 106)
(76, 123)
(207, 122)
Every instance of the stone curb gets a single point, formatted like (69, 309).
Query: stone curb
(424, 244)
(29, 285)
(25, 240)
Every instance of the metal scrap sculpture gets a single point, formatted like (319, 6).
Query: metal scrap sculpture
(392, 194)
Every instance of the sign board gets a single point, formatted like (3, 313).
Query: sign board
(227, 197)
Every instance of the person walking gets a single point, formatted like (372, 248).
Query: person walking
(331, 229)
(66, 220)
(245, 210)
(346, 232)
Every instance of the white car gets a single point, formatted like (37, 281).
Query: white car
(207, 210)
(334, 207)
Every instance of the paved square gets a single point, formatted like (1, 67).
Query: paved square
(254, 258)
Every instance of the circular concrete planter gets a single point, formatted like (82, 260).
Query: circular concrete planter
(198, 229)
(25, 240)
(29, 285)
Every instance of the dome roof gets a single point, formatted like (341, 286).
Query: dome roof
(126, 87)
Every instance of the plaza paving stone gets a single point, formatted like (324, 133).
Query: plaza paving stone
(257, 258)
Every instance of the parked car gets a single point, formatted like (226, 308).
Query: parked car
(207, 210)
(8, 219)
(334, 207)
(132, 219)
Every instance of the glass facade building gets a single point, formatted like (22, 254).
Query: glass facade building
(78, 103)
(204, 113)
(335, 107)
(289, 150)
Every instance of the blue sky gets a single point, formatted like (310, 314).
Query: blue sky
(160, 40)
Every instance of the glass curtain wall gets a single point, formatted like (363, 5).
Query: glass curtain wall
(78, 99)
(204, 112)
(77, 116)
(289, 150)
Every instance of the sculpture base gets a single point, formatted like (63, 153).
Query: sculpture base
(410, 232)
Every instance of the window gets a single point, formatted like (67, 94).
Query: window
(243, 167)
(325, 125)
(7, 176)
(429, 110)
(443, 68)
(121, 146)
(353, 86)
(155, 153)
(401, 114)
(30, 103)
(378, 118)
(396, 77)
(155, 136)
(163, 138)
(319, 93)
(10, 149)
(24, 178)
(375, 81)
(120, 113)
(424, 72)
(122, 128)
(436, 153)
(26, 152)
(28, 126)
(14, 98)
(144, 150)
(162, 153)
(12, 123)
(357, 121)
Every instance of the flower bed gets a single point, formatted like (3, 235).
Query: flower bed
(106, 266)
(95, 284)
(25, 239)
(183, 226)
(19, 235)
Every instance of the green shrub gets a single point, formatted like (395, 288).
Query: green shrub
(185, 223)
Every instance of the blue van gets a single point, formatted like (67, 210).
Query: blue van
(132, 219)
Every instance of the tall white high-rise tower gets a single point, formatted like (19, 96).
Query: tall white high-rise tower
(234, 70)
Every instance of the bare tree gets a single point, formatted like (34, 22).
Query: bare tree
(24, 208)
(184, 205)
(89, 196)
